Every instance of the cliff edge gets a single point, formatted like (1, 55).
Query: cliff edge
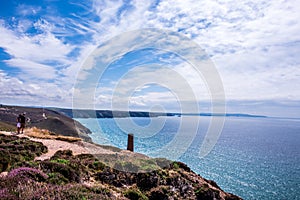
(43, 119)
(111, 173)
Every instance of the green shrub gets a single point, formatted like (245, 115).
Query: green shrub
(65, 170)
(175, 165)
(5, 160)
(133, 194)
(148, 165)
(62, 161)
(98, 165)
(57, 179)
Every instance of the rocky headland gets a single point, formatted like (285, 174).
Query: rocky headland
(43, 164)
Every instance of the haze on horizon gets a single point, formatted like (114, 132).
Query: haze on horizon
(253, 45)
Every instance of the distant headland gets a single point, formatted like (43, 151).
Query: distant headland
(87, 113)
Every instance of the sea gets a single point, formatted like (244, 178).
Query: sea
(254, 157)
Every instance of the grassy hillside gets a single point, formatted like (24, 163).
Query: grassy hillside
(43, 119)
(7, 127)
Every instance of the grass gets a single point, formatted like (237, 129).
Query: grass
(7, 127)
(46, 134)
(15, 150)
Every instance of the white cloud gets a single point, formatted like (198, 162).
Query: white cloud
(38, 58)
(45, 55)
(115, 20)
(14, 91)
(39, 48)
(27, 10)
(254, 45)
(32, 69)
(217, 24)
(270, 73)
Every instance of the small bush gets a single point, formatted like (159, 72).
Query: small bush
(148, 165)
(175, 165)
(65, 170)
(5, 160)
(81, 192)
(133, 194)
(205, 192)
(160, 193)
(98, 165)
(62, 161)
(146, 181)
(57, 179)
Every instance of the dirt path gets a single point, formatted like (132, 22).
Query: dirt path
(55, 145)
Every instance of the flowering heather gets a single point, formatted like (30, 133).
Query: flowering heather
(31, 189)
(25, 173)
(4, 194)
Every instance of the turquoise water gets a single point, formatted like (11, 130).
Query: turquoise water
(255, 158)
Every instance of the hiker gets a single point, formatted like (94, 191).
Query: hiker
(21, 123)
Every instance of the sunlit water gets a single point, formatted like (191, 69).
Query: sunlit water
(255, 158)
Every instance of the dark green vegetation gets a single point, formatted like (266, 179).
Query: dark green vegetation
(65, 176)
(15, 150)
(7, 127)
(44, 119)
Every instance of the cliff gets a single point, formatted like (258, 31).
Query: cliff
(111, 174)
(44, 119)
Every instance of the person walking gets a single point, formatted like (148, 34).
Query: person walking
(19, 123)
(22, 121)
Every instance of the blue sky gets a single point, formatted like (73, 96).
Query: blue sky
(254, 46)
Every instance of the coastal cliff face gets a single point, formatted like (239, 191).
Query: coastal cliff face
(43, 119)
(85, 176)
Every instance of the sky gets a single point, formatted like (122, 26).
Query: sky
(51, 51)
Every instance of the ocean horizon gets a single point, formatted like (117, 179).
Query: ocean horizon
(254, 158)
